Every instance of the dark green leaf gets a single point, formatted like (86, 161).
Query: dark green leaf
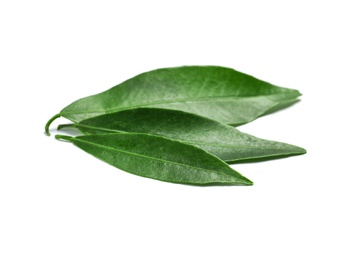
(221, 140)
(219, 93)
(159, 158)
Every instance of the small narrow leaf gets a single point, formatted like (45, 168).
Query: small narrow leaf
(225, 142)
(159, 158)
(219, 93)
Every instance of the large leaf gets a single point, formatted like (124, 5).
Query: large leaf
(158, 158)
(219, 93)
(226, 142)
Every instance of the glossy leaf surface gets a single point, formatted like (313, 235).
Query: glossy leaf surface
(219, 93)
(158, 158)
(225, 142)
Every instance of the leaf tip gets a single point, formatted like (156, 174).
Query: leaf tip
(303, 150)
(246, 182)
(299, 150)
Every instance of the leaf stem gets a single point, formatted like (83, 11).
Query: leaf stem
(65, 125)
(47, 126)
(64, 137)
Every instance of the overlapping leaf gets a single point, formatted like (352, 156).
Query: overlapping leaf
(218, 93)
(226, 142)
(158, 158)
(172, 124)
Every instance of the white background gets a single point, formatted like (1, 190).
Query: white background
(57, 202)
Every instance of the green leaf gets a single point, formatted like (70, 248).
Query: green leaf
(158, 158)
(225, 142)
(219, 93)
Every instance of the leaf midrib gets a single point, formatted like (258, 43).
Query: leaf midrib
(198, 99)
(181, 140)
(154, 158)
